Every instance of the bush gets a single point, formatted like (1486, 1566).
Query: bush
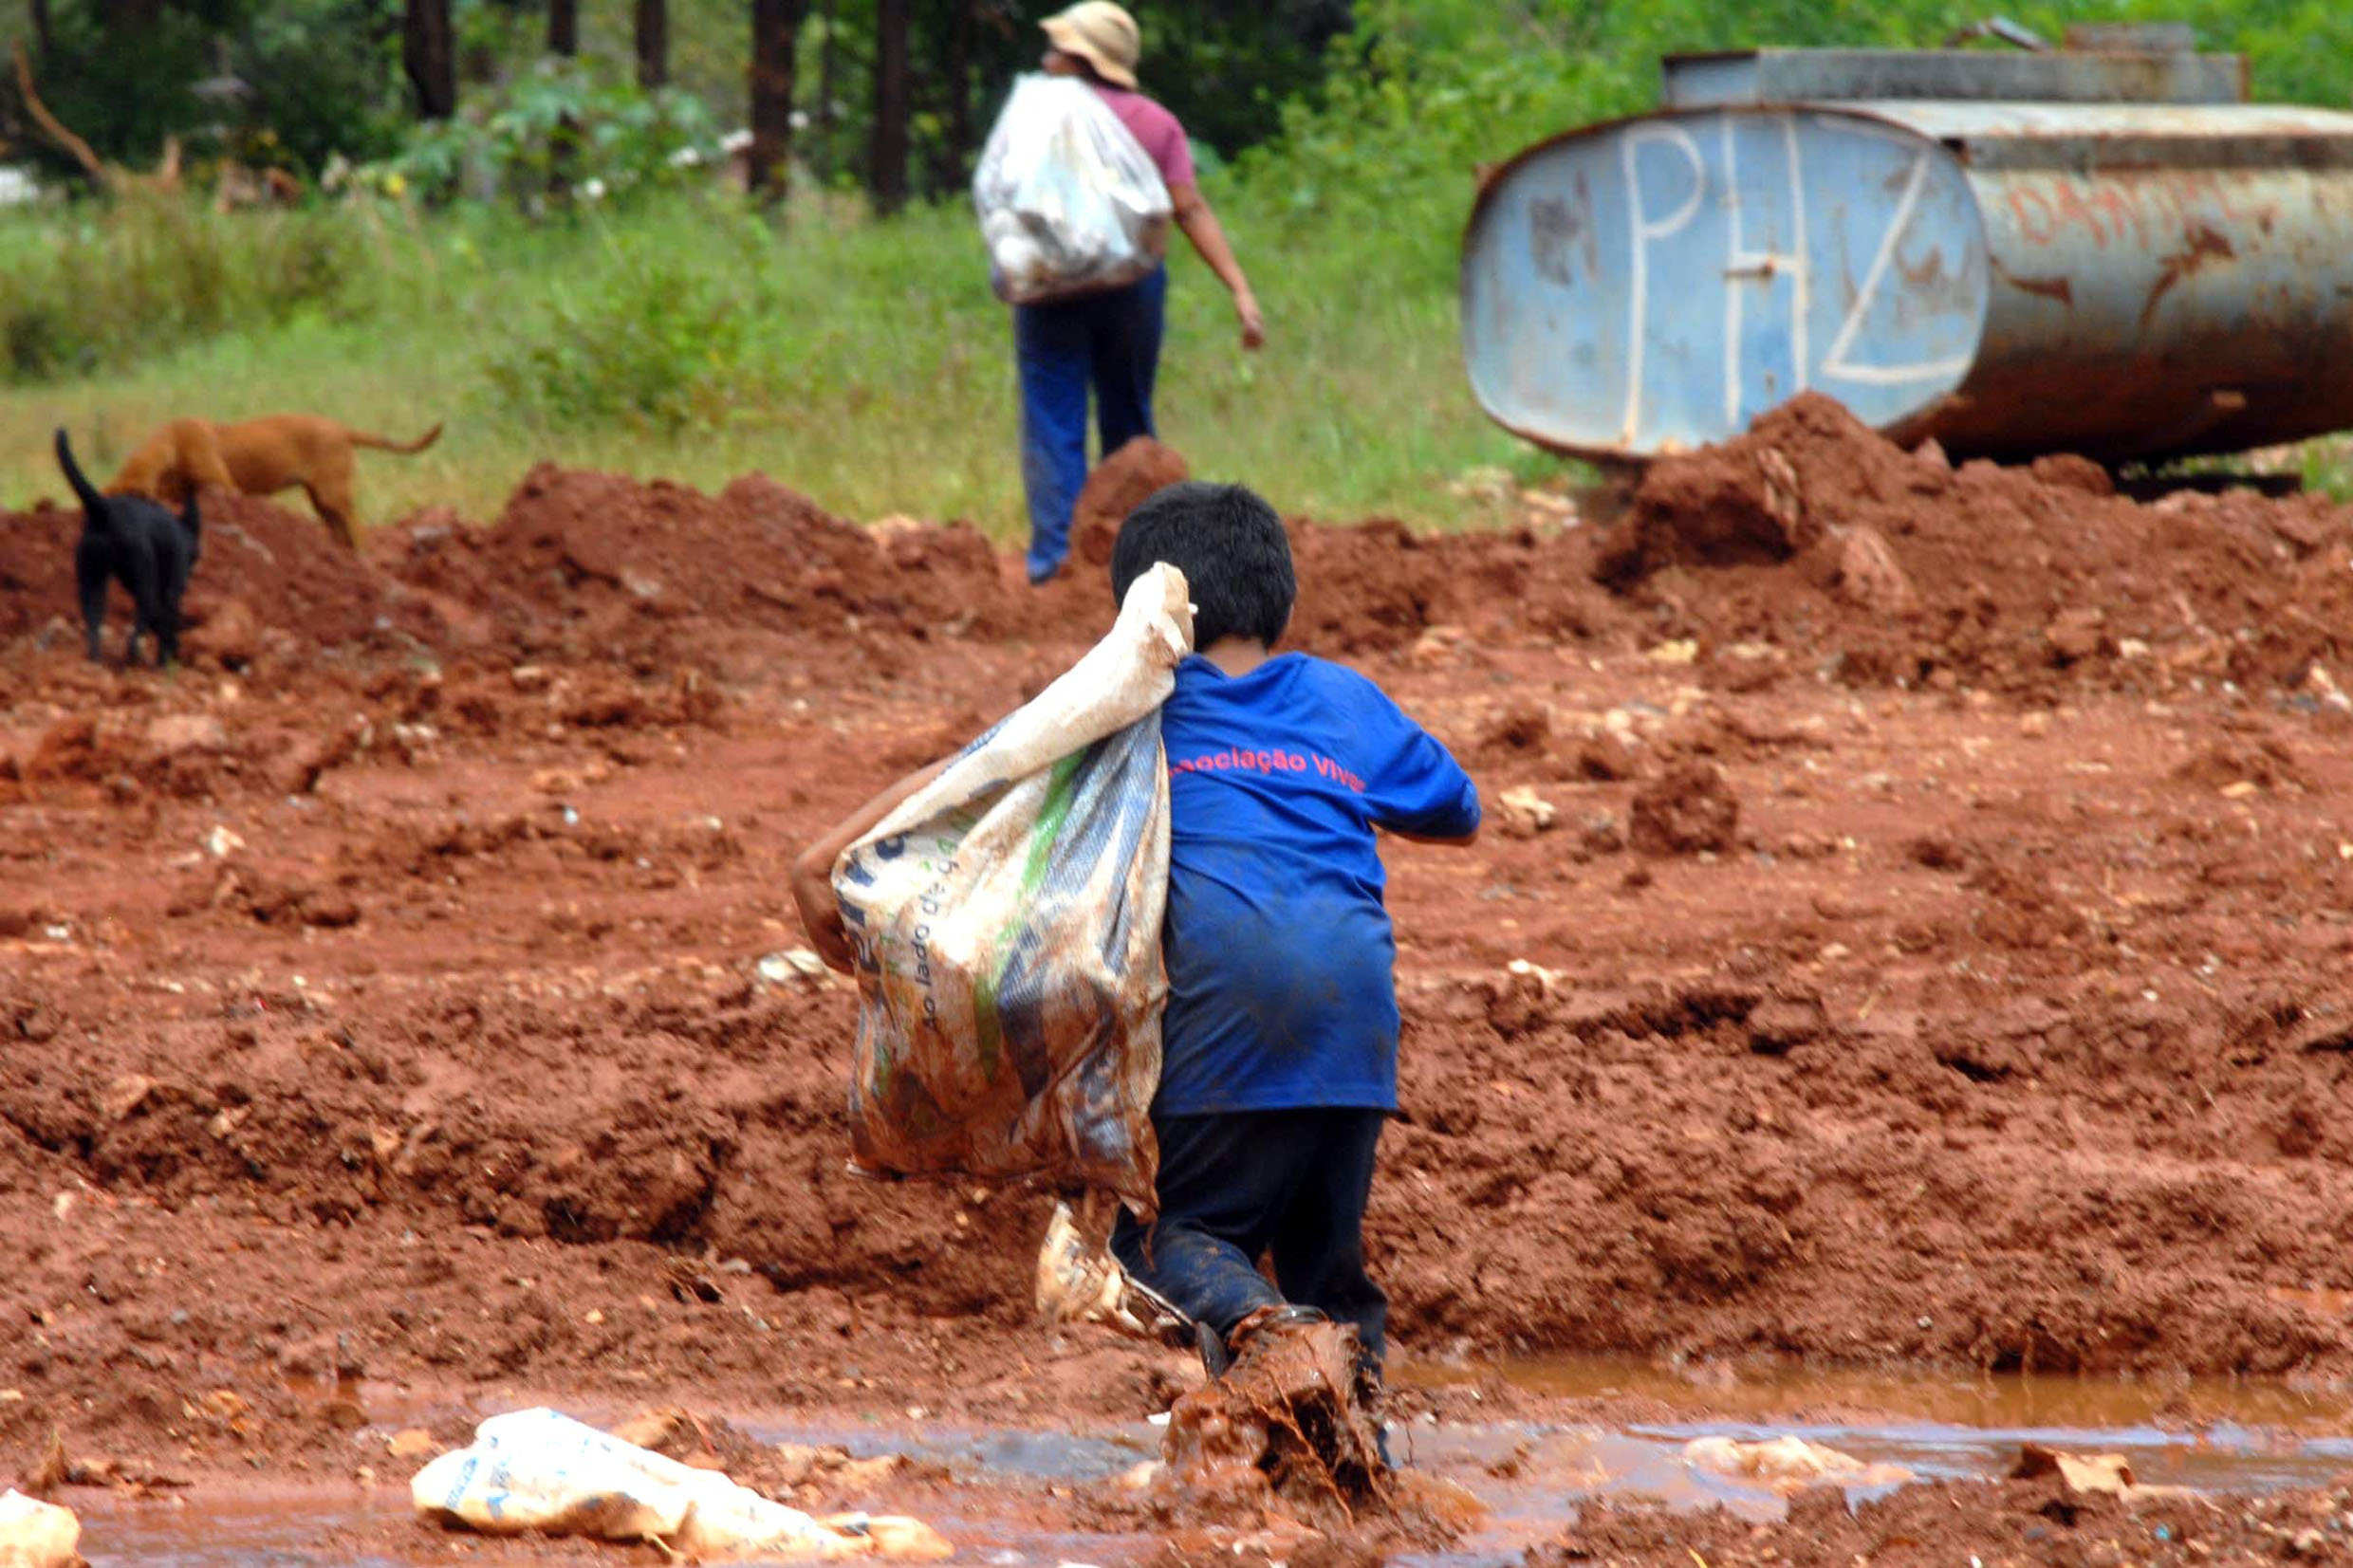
(622, 142)
(656, 343)
(110, 284)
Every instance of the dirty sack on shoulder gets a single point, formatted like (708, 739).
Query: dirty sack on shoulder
(1006, 919)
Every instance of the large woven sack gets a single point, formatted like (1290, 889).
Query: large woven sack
(1008, 925)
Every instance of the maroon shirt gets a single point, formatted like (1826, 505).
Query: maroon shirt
(1156, 129)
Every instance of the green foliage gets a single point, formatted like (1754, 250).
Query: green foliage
(668, 331)
(620, 142)
(123, 102)
(315, 77)
(109, 285)
(654, 340)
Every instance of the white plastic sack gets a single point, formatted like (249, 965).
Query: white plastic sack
(1069, 201)
(541, 1470)
(1007, 924)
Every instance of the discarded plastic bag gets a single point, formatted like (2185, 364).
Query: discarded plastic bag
(1007, 918)
(34, 1533)
(538, 1470)
(1787, 1465)
(1069, 201)
(1081, 1282)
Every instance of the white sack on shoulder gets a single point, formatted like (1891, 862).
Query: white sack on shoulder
(1069, 201)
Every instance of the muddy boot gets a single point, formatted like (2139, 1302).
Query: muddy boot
(1215, 1358)
(1291, 1412)
(1266, 1322)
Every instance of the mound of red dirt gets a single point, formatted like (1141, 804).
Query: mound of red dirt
(279, 566)
(1812, 532)
(582, 562)
(1119, 484)
(1378, 586)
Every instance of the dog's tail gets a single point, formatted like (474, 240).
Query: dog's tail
(383, 443)
(92, 502)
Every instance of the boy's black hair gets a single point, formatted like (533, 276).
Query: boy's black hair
(1231, 549)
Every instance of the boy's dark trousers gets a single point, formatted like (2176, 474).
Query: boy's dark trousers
(1241, 1185)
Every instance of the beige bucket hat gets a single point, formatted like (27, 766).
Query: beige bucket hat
(1101, 34)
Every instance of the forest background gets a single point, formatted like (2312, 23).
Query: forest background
(695, 238)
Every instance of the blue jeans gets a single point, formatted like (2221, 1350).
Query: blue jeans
(1110, 340)
(1287, 1184)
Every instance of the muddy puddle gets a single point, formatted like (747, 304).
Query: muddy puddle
(2210, 1433)
(1008, 1507)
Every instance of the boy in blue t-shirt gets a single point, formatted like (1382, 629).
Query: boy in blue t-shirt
(1279, 1044)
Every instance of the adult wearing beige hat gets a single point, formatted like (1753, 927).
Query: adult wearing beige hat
(1110, 342)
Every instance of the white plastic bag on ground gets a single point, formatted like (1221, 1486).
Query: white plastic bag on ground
(34, 1533)
(1069, 201)
(538, 1470)
(1080, 1282)
(1008, 922)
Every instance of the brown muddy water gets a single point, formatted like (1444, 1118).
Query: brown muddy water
(1529, 1473)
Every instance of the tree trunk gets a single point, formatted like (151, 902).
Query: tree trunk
(41, 34)
(429, 54)
(563, 42)
(888, 177)
(653, 43)
(829, 61)
(775, 28)
(954, 159)
(563, 28)
(124, 18)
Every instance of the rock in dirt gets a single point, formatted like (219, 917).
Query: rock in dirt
(1779, 1024)
(1691, 810)
(1291, 1418)
(1523, 813)
(34, 1533)
(2066, 470)
(125, 1095)
(2110, 1474)
(1605, 759)
(230, 633)
(1523, 728)
(1867, 575)
(410, 1442)
(2261, 761)
(1119, 484)
(2077, 634)
(177, 735)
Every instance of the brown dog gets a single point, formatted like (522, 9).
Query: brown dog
(258, 457)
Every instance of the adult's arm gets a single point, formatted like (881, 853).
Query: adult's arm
(1199, 222)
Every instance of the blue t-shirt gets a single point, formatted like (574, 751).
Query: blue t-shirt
(1280, 955)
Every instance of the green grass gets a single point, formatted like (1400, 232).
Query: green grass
(864, 363)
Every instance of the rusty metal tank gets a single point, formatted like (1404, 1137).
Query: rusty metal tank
(2109, 254)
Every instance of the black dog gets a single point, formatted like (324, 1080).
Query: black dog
(138, 542)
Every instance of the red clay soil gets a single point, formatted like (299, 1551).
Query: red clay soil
(391, 1002)
(2015, 1522)
(2000, 577)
